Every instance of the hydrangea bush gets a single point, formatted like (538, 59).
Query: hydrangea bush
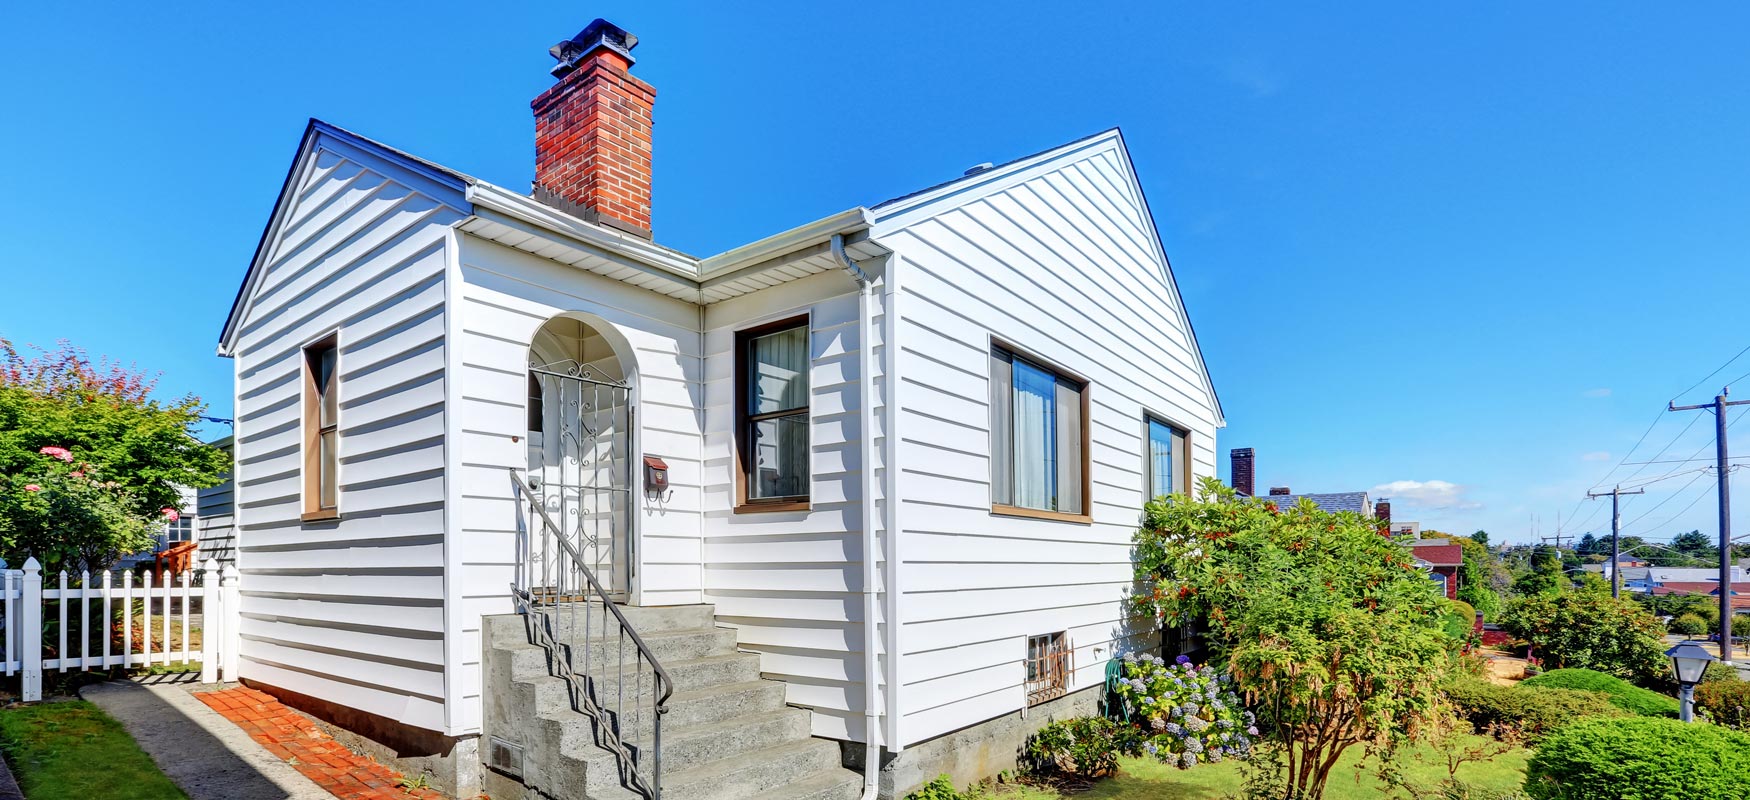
(1190, 714)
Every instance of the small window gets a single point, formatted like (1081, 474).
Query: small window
(1039, 446)
(1049, 664)
(772, 419)
(1168, 460)
(321, 423)
(537, 406)
(180, 530)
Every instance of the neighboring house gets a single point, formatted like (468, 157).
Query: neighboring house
(213, 510)
(1442, 558)
(1645, 579)
(1740, 597)
(173, 532)
(899, 450)
(1243, 469)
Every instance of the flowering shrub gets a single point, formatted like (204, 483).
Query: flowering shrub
(1189, 713)
(89, 458)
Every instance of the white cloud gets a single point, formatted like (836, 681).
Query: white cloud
(1433, 495)
(1602, 391)
(1597, 455)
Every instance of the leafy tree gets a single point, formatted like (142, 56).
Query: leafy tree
(1588, 545)
(1695, 544)
(90, 462)
(1590, 630)
(1544, 576)
(1322, 619)
(1480, 537)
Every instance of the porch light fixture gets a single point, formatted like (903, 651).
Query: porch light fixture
(1689, 662)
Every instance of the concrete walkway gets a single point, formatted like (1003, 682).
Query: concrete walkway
(201, 751)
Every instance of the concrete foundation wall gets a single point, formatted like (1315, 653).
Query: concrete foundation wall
(975, 752)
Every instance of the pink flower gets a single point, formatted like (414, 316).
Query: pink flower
(57, 452)
(75, 474)
(170, 514)
(31, 487)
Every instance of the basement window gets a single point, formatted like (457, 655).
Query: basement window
(1049, 663)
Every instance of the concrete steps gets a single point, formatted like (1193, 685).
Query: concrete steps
(727, 735)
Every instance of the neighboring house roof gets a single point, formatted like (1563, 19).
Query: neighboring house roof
(516, 220)
(1327, 501)
(1693, 587)
(1440, 555)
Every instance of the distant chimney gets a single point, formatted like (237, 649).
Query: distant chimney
(1382, 512)
(1241, 458)
(592, 132)
(1280, 491)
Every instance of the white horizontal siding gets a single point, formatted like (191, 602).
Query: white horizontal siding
(348, 611)
(1058, 261)
(791, 583)
(505, 297)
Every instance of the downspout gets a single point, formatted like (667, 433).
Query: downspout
(866, 381)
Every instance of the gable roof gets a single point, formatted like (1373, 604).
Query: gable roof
(1440, 555)
(519, 221)
(955, 191)
(1326, 501)
(449, 185)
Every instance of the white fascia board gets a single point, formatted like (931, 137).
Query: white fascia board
(541, 216)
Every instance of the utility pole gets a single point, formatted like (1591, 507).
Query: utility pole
(1718, 406)
(1615, 533)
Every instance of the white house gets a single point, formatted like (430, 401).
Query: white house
(906, 445)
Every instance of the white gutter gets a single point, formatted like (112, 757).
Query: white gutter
(866, 381)
(783, 242)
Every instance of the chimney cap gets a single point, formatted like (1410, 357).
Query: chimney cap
(1241, 452)
(594, 36)
(1280, 491)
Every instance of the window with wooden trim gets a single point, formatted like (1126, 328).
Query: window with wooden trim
(1049, 664)
(772, 419)
(321, 423)
(1039, 439)
(1168, 459)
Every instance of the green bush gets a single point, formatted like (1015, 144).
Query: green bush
(1640, 759)
(942, 788)
(1591, 630)
(1741, 625)
(1688, 625)
(1625, 695)
(1726, 702)
(1532, 711)
(1084, 746)
(1719, 673)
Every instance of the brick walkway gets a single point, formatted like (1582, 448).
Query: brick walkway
(294, 738)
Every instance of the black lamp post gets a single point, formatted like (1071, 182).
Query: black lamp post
(1689, 661)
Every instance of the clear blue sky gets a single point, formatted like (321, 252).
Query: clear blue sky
(1478, 245)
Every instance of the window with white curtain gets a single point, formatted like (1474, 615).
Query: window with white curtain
(772, 429)
(1167, 460)
(1038, 442)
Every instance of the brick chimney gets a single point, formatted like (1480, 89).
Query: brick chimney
(1241, 458)
(1280, 491)
(592, 132)
(1382, 512)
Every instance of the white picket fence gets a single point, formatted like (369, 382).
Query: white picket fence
(27, 603)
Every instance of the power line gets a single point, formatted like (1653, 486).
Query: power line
(1673, 495)
(1715, 372)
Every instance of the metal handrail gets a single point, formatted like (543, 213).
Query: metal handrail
(610, 726)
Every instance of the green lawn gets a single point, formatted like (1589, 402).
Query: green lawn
(72, 751)
(1147, 779)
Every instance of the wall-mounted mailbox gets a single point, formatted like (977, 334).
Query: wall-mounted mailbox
(655, 475)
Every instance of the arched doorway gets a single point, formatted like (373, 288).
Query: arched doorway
(580, 444)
